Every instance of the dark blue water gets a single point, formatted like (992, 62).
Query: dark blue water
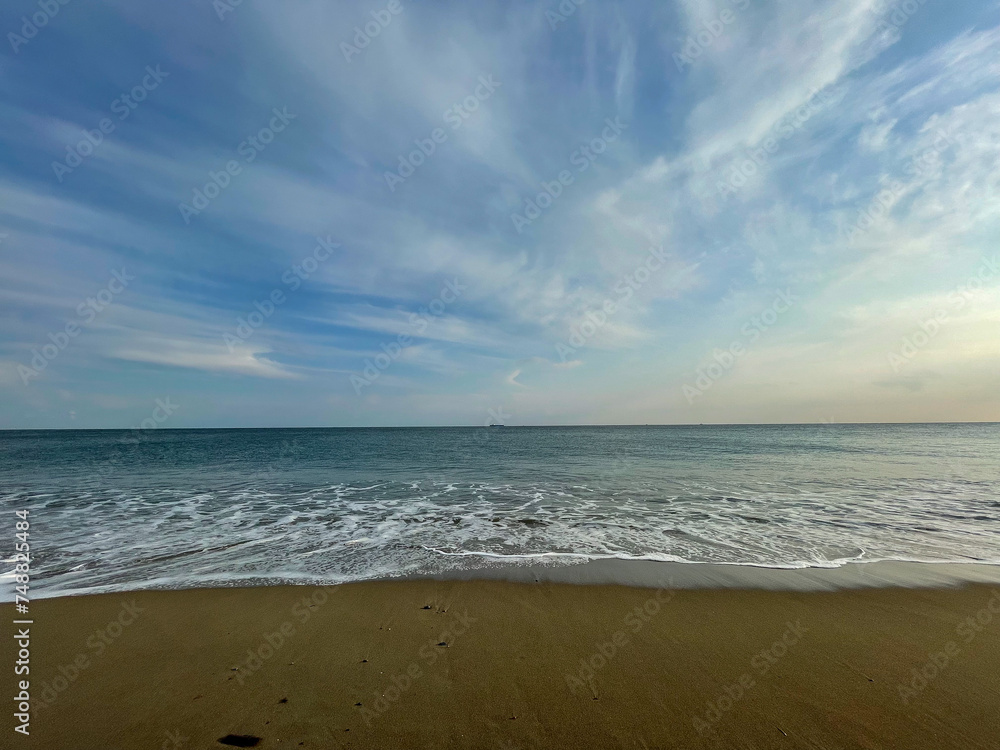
(122, 509)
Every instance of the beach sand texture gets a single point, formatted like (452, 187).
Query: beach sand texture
(503, 665)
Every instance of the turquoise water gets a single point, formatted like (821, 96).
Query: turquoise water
(114, 510)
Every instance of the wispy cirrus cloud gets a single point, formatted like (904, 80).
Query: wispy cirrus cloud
(850, 102)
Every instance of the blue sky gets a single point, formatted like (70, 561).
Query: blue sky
(732, 211)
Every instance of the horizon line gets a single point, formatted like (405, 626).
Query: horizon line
(469, 426)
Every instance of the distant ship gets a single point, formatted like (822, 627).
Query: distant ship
(497, 425)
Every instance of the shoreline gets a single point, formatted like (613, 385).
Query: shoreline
(501, 664)
(697, 575)
(641, 574)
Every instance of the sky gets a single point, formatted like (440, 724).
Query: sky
(317, 213)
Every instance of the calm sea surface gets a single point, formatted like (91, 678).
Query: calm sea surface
(113, 510)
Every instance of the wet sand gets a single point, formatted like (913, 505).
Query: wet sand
(504, 665)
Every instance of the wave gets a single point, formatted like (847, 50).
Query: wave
(106, 539)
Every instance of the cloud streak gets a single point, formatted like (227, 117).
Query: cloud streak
(878, 90)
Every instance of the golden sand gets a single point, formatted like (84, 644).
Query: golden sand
(500, 665)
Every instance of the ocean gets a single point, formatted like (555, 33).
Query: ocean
(115, 510)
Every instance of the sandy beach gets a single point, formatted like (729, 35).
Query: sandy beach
(504, 665)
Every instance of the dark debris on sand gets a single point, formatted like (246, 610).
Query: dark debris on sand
(240, 740)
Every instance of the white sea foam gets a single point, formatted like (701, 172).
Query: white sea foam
(196, 509)
(169, 538)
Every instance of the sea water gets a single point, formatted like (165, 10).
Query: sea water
(117, 510)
